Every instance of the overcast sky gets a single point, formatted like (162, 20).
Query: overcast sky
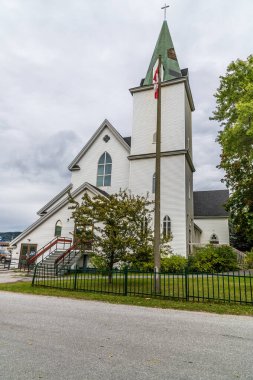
(66, 65)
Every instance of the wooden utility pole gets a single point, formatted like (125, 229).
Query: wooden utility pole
(157, 227)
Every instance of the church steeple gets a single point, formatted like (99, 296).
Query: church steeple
(165, 48)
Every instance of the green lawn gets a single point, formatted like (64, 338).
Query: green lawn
(211, 307)
(229, 288)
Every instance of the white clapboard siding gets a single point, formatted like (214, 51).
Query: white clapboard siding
(173, 120)
(219, 226)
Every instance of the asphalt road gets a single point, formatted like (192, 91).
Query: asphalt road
(56, 338)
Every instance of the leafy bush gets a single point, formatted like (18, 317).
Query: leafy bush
(173, 264)
(213, 258)
(145, 266)
(148, 266)
(249, 260)
(97, 262)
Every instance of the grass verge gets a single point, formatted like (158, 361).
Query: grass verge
(219, 308)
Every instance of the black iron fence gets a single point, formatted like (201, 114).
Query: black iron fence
(230, 287)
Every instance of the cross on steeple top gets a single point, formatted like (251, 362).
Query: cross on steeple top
(164, 47)
(165, 9)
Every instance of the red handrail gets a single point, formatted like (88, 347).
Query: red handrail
(59, 258)
(47, 247)
(68, 251)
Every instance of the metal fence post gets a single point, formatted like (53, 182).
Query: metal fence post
(75, 278)
(154, 281)
(186, 284)
(125, 281)
(34, 274)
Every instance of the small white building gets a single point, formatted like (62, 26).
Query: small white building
(210, 217)
(109, 162)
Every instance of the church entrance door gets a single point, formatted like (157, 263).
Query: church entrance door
(26, 251)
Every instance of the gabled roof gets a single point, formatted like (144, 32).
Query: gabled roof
(43, 210)
(210, 203)
(165, 48)
(196, 227)
(99, 190)
(105, 124)
(84, 186)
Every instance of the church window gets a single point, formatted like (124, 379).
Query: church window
(58, 228)
(166, 226)
(104, 170)
(153, 184)
(106, 138)
(214, 239)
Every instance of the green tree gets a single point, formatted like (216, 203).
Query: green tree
(234, 112)
(121, 230)
(239, 241)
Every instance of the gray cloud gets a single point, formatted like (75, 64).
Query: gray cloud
(48, 155)
(66, 66)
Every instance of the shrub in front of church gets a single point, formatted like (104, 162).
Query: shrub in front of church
(213, 258)
(249, 260)
(173, 264)
(97, 262)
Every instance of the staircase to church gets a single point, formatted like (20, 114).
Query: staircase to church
(49, 262)
(58, 244)
(50, 252)
(58, 262)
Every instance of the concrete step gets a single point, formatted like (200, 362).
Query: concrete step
(49, 261)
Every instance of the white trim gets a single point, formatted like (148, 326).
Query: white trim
(165, 154)
(196, 227)
(170, 82)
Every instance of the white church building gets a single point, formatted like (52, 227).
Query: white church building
(109, 162)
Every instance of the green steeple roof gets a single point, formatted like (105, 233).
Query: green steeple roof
(165, 48)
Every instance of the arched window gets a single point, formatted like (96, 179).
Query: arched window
(153, 183)
(166, 226)
(214, 239)
(58, 228)
(104, 170)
